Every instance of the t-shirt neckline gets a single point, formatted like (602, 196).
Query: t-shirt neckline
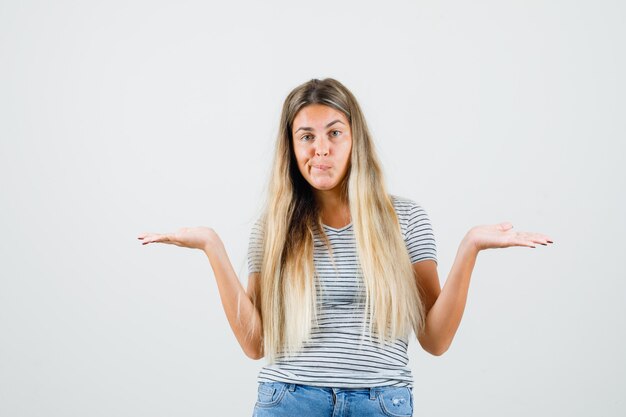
(334, 229)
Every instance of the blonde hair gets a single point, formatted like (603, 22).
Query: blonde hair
(291, 216)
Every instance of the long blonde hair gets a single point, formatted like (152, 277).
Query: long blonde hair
(291, 216)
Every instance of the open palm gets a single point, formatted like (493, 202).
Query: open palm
(187, 237)
(501, 236)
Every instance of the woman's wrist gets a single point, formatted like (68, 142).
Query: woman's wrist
(469, 243)
(212, 240)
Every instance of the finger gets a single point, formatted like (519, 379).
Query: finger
(535, 237)
(147, 235)
(541, 238)
(149, 239)
(167, 238)
(154, 241)
(145, 238)
(522, 240)
(543, 241)
(504, 226)
(156, 238)
(530, 239)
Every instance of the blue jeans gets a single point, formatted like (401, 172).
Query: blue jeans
(278, 399)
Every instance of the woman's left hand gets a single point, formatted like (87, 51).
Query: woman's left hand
(501, 236)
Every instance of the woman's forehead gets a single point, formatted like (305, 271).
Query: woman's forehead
(318, 116)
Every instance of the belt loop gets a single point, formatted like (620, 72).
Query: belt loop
(292, 387)
(372, 393)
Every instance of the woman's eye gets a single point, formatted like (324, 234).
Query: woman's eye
(305, 137)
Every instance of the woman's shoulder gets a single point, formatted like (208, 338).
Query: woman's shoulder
(408, 210)
(400, 202)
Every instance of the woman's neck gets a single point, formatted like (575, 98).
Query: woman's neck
(334, 209)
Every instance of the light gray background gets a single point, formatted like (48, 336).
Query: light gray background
(123, 117)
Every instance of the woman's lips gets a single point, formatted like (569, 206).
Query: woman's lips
(322, 167)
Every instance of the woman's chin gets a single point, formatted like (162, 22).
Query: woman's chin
(323, 185)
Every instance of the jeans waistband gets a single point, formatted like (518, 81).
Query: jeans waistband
(372, 390)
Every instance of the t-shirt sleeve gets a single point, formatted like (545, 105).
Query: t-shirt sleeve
(420, 238)
(255, 248)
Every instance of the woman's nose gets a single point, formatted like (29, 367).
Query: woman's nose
(321, 147)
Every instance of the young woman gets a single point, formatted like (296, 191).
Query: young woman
(340, 271)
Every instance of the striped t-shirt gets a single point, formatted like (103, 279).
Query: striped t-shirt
(336, 355)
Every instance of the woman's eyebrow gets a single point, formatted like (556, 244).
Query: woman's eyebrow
(328, 125)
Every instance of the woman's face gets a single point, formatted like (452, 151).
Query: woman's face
(322, 142)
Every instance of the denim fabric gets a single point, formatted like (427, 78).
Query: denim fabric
(281, 399)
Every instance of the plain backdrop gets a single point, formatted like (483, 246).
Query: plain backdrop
(124, 117)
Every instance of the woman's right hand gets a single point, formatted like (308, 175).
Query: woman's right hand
(187, 237)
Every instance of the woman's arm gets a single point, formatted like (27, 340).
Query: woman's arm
(444, 317)
(248, 329)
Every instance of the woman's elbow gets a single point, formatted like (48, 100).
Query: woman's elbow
(438, 351)
(255, 354)
(255, 357)
(435, 349)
